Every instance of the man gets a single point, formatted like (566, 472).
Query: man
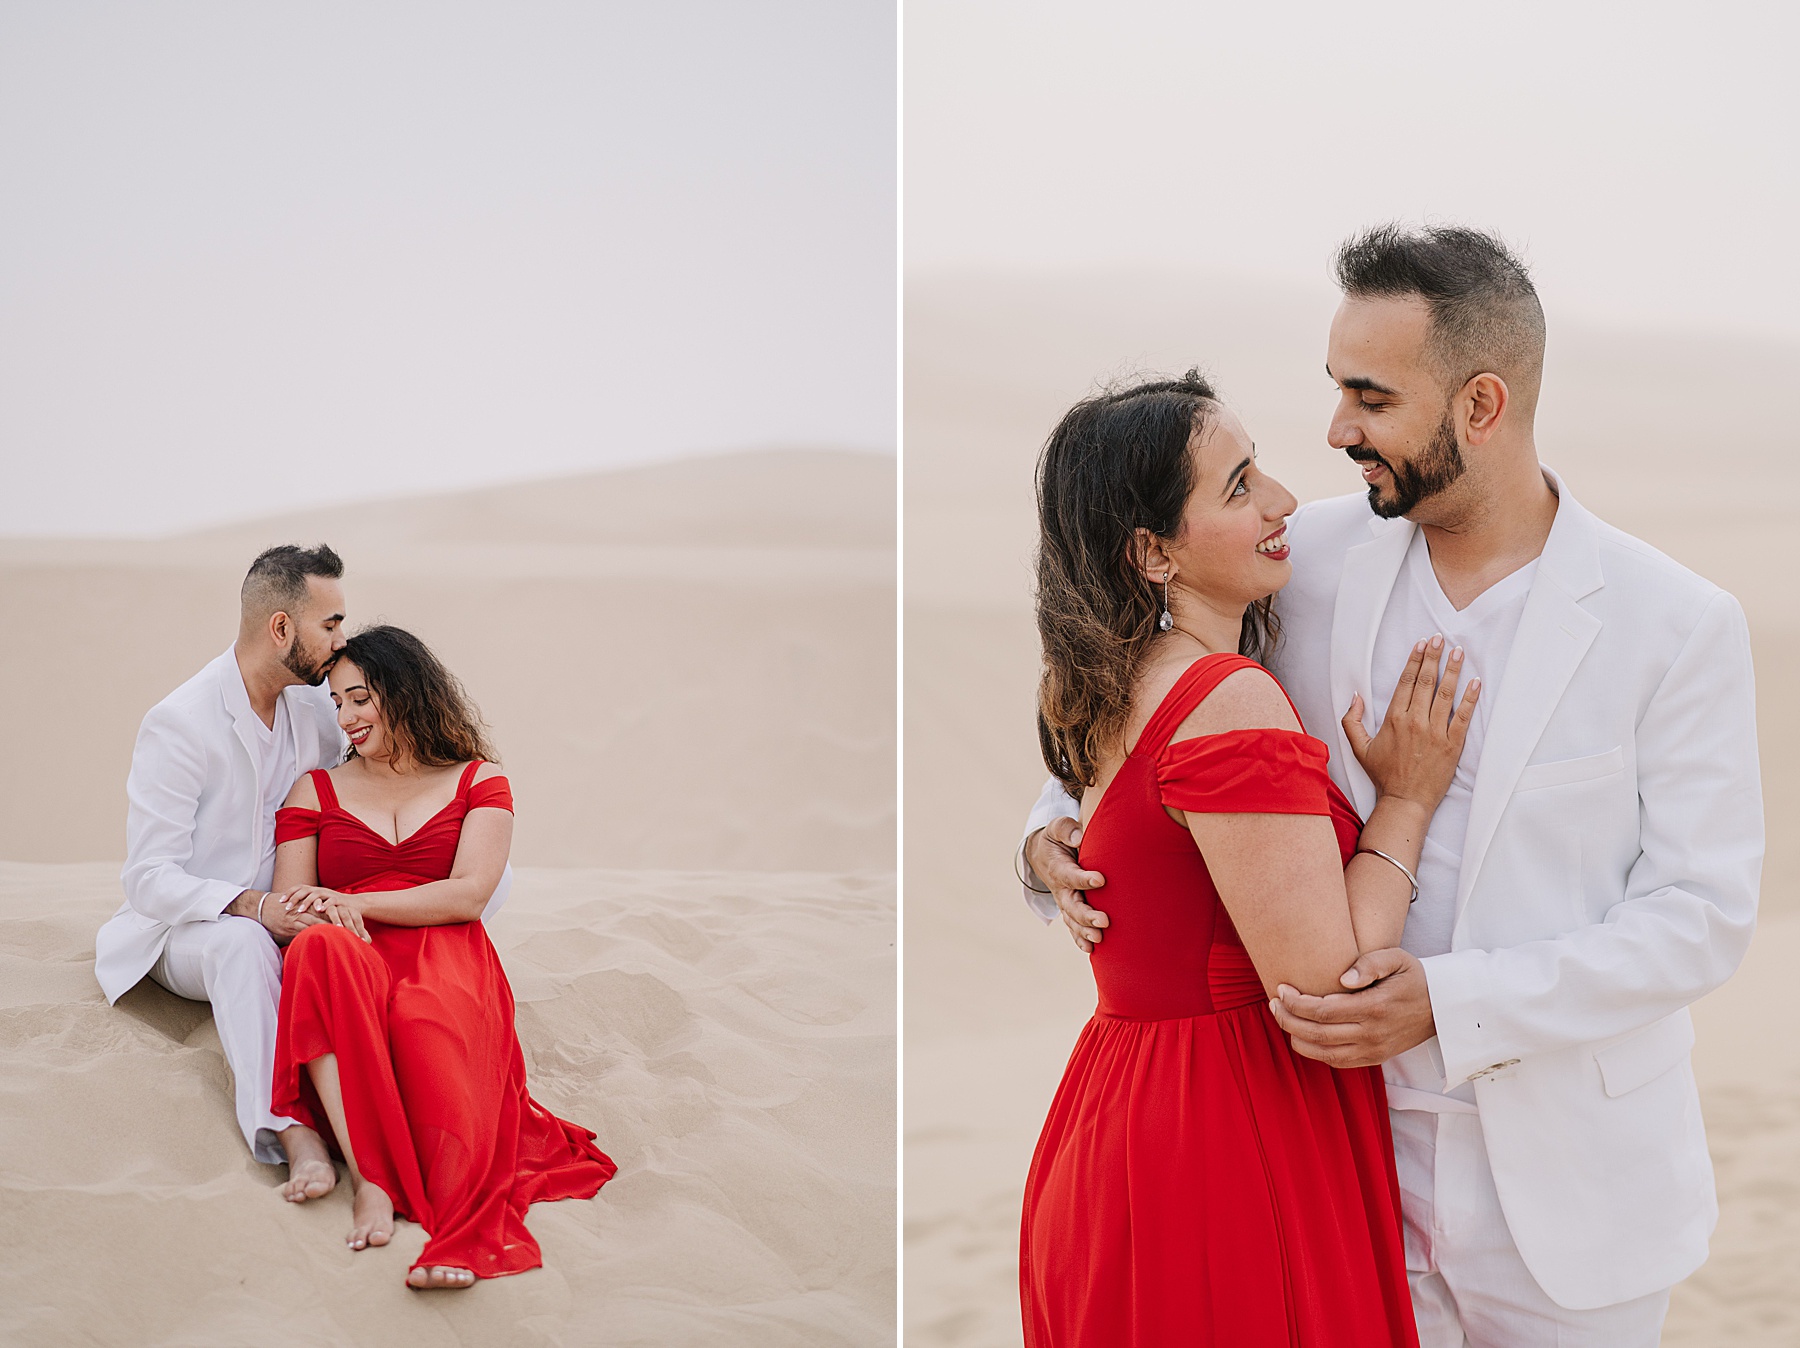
(1592, 871)
(213, 761)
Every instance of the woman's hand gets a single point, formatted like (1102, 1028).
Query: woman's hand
(1415, 755)
(345, 910)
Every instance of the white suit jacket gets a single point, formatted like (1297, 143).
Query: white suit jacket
(194, 831)
(1609, 876)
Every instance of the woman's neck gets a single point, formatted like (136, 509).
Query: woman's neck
(386, 769)
(1218, 632)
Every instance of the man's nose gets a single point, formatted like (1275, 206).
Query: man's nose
(1343, 433)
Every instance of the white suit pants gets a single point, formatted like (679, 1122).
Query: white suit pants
(235, 964)
(1470, 1288)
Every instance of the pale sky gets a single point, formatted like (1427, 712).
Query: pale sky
(257, 257)
(1645, 156)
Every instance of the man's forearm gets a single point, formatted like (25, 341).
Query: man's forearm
(1593, 984)
(163, 792)
(164, 892)
(247, 904)
(1053, 803)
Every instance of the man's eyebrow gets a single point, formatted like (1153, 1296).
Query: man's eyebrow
(1359, 382)
(335, 618)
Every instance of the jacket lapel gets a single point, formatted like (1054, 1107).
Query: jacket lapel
(237, 706)
(1370, 570)
(299, 728)
(1554, 635)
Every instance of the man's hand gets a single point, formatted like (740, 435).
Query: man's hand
(1050, 852)
(1361, 1029)
(274, 914)
(283, 924)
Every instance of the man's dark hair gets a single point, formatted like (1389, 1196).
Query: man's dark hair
(276, 582)
(1485, 315)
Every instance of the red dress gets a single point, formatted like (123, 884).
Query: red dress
(421, 1021)
(1197, 1181)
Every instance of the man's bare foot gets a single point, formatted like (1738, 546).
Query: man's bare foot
(440, 1276)
(310, 1171)
(372, 1213)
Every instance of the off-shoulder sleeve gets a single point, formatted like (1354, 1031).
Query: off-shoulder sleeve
(1262, 771)
(493, 794)
(295, 821)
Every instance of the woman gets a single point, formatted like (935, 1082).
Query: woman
(395, 1004)
(1197, 1181)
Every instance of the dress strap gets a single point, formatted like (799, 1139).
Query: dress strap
(327, 792)
(1190, 690)
(462, 786)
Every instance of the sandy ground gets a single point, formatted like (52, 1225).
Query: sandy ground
(1674, 439)
(689, 673)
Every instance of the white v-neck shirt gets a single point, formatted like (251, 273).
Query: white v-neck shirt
(1485, 630)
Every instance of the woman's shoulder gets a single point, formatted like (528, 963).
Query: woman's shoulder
(1247, 698)
(487, 788)
(303, 795)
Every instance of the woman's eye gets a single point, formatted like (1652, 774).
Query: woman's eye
(1242, 488)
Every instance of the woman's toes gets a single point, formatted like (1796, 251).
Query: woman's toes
(372, 1211)
(440, 1276)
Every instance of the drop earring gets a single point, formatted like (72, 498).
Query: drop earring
(1167, 620)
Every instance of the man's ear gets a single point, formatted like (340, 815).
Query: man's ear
(281, 628)
(1481, 406)
(1147, 555)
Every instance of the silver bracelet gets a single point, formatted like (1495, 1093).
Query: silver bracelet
(259, 903)
(1411, 879)
(1018, 857)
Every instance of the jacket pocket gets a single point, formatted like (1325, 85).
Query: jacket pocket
(1567, 770)
(1640, 1058)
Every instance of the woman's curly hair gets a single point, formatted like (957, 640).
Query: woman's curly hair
(1116, 463)
(428, 715)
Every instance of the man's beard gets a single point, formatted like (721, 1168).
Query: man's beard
(298, 665)
(1427, 475)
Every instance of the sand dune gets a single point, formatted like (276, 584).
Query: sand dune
(1675, 439)
(689, 672)
(687, 665)
(728, 1035)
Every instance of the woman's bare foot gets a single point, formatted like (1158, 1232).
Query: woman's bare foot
(440, 1276)
(372, 1213)
(310, 1171)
